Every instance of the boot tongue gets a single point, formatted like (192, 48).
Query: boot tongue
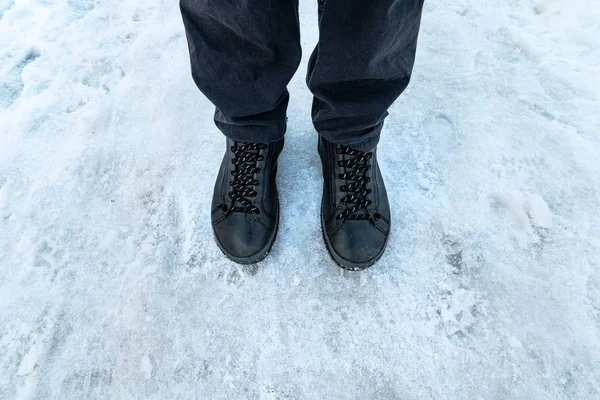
(244, 149)
(362, 211)
(249, 151)
(249, 163)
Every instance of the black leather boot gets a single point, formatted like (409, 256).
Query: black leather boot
(355, 212)
(245, 206)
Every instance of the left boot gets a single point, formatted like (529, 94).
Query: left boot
(355, 211)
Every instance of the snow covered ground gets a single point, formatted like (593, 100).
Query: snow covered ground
(112, 287)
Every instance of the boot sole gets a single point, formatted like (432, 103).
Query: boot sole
(343, 263)
(256, 257)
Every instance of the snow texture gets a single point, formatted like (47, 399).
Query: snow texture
(111, 285)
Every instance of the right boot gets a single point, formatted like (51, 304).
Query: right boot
(245, 205)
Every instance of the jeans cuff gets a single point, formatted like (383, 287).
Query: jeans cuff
(366, 145)
(367, 139)
(253, 133)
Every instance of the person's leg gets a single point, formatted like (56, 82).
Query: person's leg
(362, 63)
(243, 54)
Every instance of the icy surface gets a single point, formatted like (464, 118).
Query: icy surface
(111, 285)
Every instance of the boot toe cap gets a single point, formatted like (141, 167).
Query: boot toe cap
(355, 246)
(242, 238)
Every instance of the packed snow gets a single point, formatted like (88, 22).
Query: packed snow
(111, 285)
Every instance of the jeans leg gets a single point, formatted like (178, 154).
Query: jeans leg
(243, 54)
(362, 63)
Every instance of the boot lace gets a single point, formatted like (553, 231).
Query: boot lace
(355, 175)
(244, 182)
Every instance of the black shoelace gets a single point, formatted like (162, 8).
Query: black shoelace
(243, 183)
(356, 184)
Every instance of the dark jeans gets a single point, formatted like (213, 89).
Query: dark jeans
(244, 52)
